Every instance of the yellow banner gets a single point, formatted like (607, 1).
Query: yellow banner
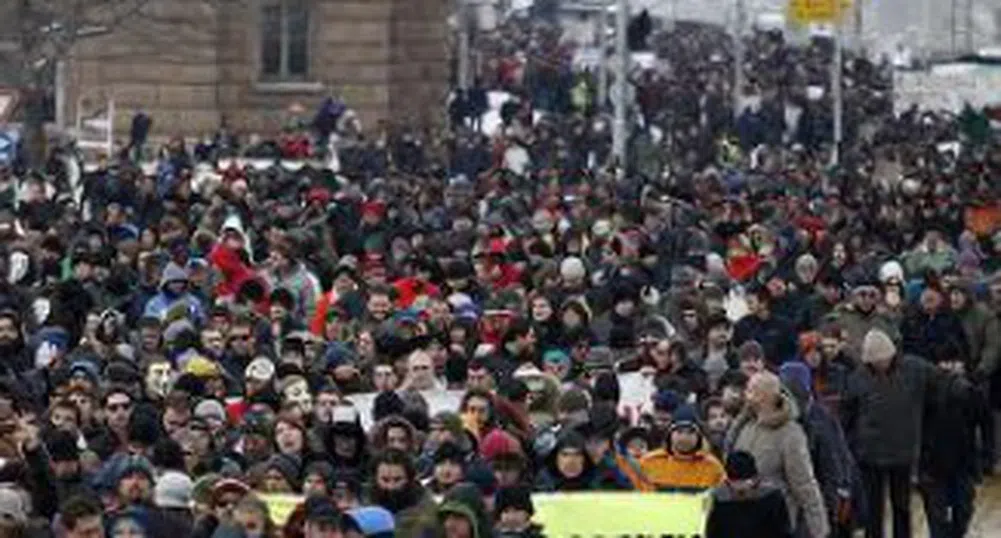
(818, 11)
(281, 506)
(587, 515)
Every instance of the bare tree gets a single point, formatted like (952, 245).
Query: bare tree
(44, 33)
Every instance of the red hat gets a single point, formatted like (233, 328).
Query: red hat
(318, 194)
(373, 208)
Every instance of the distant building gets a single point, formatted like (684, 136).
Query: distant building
(190, 64)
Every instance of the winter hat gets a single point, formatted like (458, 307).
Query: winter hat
(891, 270)
(62, 446)
(667, 400)
(143, 427)
(877, 347)
(122, 466)
(796, 377)
(498, 442)
(573, 401)
(750, 350)
(556, 357)
(173, 490)
(372, 521)
(12, 505)
(260, 369)
(684, 417)
(210, 409)
(572, 268)
(515, 498)
(321, 509)
(740, 465)
(387, 404)
(288, 468)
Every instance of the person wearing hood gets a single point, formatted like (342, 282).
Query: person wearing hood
(463, 514)
(174, 297)
(396, 489)
(231, 257)
(345, 440)
(685, 463)
(514, 510)
(983, 334)
(568, 467)
(882, 413)
(833, 464)
(769, 430)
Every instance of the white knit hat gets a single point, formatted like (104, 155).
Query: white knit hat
(572, 268)
(877, 347)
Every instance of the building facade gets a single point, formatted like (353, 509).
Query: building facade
(194, 64)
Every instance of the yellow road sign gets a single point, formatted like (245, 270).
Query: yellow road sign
(818, 11)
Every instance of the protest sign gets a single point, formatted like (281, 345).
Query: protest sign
(281, 506)
(622, 514)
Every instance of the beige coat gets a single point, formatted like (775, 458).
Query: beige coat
(779, 447)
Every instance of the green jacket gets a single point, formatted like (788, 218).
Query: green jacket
(982, 330)
(465, 500)
(419, 520)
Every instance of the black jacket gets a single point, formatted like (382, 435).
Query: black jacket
(882, 413)
(948, 446)
(762, 514)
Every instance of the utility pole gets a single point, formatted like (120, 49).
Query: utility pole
(738, 57)
(602, 93)
(463, 64)
(621, 84)
(836, 84)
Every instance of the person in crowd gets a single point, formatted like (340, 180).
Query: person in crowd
(883, 416)
(746, 504)
(437, 313)
(769, 430)
(685, 463)
(946, 471)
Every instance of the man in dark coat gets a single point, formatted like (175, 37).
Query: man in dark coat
(746, 506)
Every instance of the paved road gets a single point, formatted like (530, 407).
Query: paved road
(986, 519)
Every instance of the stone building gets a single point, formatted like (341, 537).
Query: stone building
(192, 64)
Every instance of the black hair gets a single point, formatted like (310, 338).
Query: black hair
(77, 508)
(393, 456)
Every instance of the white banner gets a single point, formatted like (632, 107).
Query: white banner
(947, 89)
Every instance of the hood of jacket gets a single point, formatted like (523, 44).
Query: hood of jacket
(173, 273)
(787, 410)
(466, 500)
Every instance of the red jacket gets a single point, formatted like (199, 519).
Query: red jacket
(234, 271)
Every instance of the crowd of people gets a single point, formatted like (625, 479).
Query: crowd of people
(817, 338)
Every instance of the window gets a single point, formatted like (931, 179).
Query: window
(284, 40)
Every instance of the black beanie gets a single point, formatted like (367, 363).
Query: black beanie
(289, 469)
(387, 404)
(144, 428)
(62, 446)
(516, 497)
(740, 465)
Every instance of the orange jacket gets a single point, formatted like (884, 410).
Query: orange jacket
(675, 471)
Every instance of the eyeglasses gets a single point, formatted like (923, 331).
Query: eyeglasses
(115, 407)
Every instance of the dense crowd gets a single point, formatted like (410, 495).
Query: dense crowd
(177, 346)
